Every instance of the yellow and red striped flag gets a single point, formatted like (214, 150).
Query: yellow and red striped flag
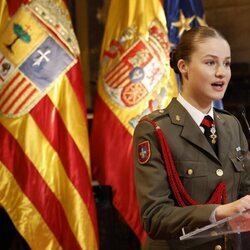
(44, 151)
(134, 80)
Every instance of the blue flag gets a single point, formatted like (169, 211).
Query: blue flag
(183, 15)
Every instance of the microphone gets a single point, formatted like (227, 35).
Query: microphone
(243, 113)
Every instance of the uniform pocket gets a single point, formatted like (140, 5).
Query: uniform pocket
(238, 158)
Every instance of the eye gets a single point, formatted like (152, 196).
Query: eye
(210, 62)
(227, 64)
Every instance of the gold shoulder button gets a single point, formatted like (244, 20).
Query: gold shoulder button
(190, 171)
(218, 247)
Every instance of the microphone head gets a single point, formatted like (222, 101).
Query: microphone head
(243, 113)
(240, 109)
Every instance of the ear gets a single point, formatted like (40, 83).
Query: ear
(183, 67)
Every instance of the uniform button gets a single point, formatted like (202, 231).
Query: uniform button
(190, 171)
(219, 172)
(218, 247)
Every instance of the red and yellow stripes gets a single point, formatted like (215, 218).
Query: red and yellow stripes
(19, 92)
(74, 119)
(35, 188)
(45, 168)
(52, 162)
(20, 202)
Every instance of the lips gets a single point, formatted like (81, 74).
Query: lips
(218, 85)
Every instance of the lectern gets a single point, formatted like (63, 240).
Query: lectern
(234, 225)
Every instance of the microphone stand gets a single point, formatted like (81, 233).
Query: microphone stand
(243, 113)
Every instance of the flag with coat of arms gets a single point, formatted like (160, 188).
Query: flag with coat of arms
(44, 152)
(134, 79)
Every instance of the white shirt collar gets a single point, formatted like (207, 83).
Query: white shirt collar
(196, 114)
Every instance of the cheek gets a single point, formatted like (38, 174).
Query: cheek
(227, 76)
(199, 76)
(199, 70)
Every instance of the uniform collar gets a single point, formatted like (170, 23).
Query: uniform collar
(196, 114)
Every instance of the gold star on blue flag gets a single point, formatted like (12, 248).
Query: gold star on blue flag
(183, 23)
(183, 15)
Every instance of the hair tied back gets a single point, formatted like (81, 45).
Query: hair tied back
(173, 61)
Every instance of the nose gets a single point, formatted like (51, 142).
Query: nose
(223, 70)
(220, 71)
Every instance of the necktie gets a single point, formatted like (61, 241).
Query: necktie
(209, 130)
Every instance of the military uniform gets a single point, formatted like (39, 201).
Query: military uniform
(200, 171)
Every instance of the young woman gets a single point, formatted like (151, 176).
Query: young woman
(183, 179)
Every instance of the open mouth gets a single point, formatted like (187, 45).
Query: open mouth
(218, 85)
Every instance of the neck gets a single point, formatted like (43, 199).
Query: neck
(201, 105)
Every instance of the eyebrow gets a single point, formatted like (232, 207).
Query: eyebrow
(209, 55)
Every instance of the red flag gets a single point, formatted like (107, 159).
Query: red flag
(134, 80)
(44, 151)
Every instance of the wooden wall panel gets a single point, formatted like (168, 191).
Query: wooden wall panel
(232, 18)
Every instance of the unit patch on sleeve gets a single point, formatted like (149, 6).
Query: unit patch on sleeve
(143, 152)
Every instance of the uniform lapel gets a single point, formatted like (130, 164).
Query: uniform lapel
(223, 136)
(190, 132)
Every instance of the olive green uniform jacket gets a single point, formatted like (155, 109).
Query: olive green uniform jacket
(198, 167)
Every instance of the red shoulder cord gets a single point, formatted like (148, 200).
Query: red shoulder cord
(180, 193)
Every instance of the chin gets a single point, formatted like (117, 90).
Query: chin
(218, 96)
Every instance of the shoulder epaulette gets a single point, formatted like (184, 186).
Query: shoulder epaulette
(223, 111)
(155, 115)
